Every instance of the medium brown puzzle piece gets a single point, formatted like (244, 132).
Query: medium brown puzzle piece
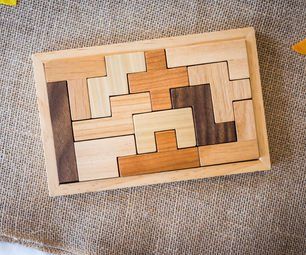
(207, 131)
(167, 157)
(158, 79)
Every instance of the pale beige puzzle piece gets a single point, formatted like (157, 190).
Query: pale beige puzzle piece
(233, 51)
(78, 99)
(241, 89)
(244, 120)
(97, 159)
(223, 90)
(115, 83)
(179, 119)
(121, 122)
(246, 147)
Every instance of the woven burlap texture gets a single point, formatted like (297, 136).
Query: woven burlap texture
(257, 213)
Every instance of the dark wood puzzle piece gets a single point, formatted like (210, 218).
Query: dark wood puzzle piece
(207, 131)
(62, 131)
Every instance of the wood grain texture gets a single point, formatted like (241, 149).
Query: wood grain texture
(167, 157)
(234, 50)
(241, 89)
(245, 121)
(216, 75)
(62, 132)
(97, 159)
(121, 122)
(147, 123)
(115, 83)
(246, 147)
(261, 164)
(78, 99)
(228, 152)
(76, 67)
(158, 80)
(207, 131)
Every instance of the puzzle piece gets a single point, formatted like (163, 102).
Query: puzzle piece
(62, 132)
(221, 88)
(167, 157)
(75, 68)
(232, 51)
(207, 131)
(147, 123)
(246, 148)
(78, 99)
(158, 80)
(115, 83)
(97, 159)
(121, 122)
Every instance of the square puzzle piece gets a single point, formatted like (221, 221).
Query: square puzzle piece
(150, 112)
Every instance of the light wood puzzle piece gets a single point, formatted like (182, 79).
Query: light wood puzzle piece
(147, 123)
(221, 88)
(233, 51)
(246, 147)
(75, 68)
(62, 132)
(207, 131)
(78, 99)
(167, 157)
(158, 80)
(97, 159)
(121, 122)
(115, 83)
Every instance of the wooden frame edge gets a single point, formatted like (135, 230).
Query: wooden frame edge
(45, 124)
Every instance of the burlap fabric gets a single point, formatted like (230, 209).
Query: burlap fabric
(258, 213)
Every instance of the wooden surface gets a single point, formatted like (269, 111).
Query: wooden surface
(115, 83)
(233, 50)
(78, 99)
(62, 132)
(158, 80)
(244, 119)
(121, 122)
(147, 123)
(263, 163)
(216, 75)
(246, 147)
(207, 131)
(228, 152)
(167, 157)
(76, 67)
(97, 159)
(241, 89)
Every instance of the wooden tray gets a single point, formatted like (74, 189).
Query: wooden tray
(153, 111)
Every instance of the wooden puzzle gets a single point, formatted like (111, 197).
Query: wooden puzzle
(151, 112)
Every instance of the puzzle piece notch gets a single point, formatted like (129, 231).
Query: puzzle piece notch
(97, 159)
(147, 123)
(246, 147)
(115, 83)
(158, 80)
(121, 122)
(167, 157)
(223, 91)
(207, 131)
